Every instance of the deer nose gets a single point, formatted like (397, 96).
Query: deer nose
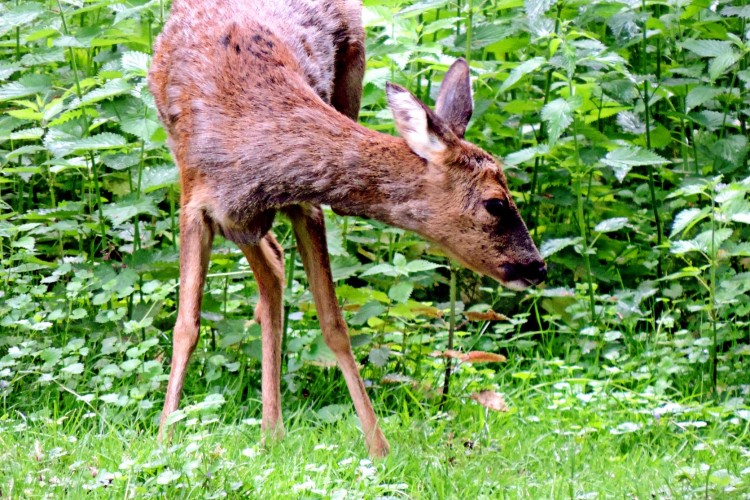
(534, 272)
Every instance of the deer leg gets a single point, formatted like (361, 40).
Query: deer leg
(196, 237)
(267, 262)
(309, 229)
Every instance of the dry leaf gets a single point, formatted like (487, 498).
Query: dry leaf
(471, 356)
(483, 357)
(491, 400)
(450, 353)
(486, 316)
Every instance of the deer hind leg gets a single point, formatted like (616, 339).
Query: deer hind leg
(196, 237)
(309, 229)
(267, 262)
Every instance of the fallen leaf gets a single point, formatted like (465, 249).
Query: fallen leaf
(491, 400)
(450, 353)
(483, 357)
(486, 316)
(471, 356)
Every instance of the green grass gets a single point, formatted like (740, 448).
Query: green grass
(563, 438)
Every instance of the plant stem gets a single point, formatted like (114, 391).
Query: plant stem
(451, 331)
(469, 29)
(712, 305)
(288, 306)
(579, 204)
(651, 182)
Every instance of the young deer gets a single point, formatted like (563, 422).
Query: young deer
(260, 101)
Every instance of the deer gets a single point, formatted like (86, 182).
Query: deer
(260, 101)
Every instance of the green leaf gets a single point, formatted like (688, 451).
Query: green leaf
(720, 64)
(135, 62)
(524, 155)
(379, 356)
(705, 242)
(484, 35)
(558, 115)
(332, 413)
(700, 95)
(128, 208)
(623, 159)
(112, 88)
(536, 8)
(61, 144)
(44, 56)
(400, 292)
(130, 365)
(520, 71)
(74, 369)
(384, 269)
(611, 225)
(167, 476)
(686, 218)
(420, 7)
(19, 15)
(708, 48)
(743, 217)
(142, 126)
(709, 119)
(7, 69)
(367, 311)
(334, 236)
(742, 12)
(418, 265)
(346, 266)
(553, 246)
(732, 148)
(27, 85)
(159, 177)
(27, 134)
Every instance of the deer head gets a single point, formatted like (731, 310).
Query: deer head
(465, 202)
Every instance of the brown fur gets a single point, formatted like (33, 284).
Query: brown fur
(258, 99)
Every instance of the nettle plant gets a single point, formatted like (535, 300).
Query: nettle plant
(711, 238)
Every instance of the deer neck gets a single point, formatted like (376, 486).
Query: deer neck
(376, 176)
(318, 156)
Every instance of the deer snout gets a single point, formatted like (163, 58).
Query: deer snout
(533, 273)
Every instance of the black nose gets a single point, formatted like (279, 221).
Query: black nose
(537, 272)
(534, 272)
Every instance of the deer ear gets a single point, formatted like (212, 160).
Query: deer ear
(454, 103)
(423, 131)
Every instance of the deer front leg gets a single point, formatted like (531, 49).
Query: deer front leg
(267, 262)
(195, 249)
(309, 229)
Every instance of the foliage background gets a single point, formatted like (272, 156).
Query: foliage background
(624, 130)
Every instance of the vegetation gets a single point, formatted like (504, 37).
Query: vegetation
(624, 130)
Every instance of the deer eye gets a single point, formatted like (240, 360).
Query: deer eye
(495, 206)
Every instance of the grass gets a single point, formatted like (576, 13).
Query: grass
(564, 437)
